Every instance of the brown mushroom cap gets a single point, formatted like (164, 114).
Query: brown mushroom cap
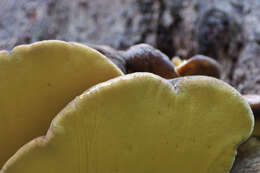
(199, 65)
(111, 54)
(254, 102)
(145, 58)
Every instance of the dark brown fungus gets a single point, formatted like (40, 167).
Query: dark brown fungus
(199, 65)
(254, 102)
(111, 54)
(145, 58)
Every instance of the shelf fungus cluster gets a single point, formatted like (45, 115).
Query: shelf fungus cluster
(145, 58)
(66, 108)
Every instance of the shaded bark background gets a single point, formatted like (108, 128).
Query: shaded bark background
(248, 160)
(227, 30)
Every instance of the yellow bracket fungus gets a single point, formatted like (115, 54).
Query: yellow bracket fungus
(37, 81)
(141, 123)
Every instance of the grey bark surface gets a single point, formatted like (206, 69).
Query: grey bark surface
(227, 30)
(248, 159)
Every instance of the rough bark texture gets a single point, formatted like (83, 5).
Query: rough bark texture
(227, 30)
(248, 159)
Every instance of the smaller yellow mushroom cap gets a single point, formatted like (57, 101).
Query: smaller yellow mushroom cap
(141, 123)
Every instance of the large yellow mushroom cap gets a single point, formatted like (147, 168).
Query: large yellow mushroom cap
(37, 81)
(141, 123)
